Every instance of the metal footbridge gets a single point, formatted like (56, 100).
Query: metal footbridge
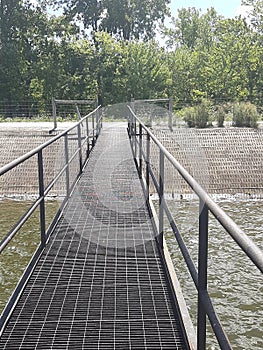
(102, 277)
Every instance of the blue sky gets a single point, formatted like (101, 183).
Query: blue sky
(227, 8)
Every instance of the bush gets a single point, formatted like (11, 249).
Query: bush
(202, 114)
(220, 116)
(245, 114)
(198, 116)
(189, 116)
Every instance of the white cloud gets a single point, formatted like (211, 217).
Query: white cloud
(243, 10)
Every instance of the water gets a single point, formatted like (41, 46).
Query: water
(18, 253)
(235, 285)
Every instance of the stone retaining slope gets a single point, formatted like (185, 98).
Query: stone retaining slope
(226, 160)
(223, 160)
(16, 139)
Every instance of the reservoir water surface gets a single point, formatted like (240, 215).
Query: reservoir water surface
(234, 283)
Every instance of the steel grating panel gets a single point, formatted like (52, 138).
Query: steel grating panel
(100, 283)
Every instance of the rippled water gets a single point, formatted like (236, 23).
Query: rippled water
(18, 253)
(234, 283)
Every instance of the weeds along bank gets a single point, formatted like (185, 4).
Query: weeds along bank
(206, 113)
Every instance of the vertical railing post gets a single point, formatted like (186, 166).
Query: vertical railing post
(202, 274)
(170, 122)
(67, 164)
(161, 198)
(87, 135)
(78, 112)
(129, 125)
(93, 130)
(132, 121)
(133, 134)
(54, 112)
(140, 151)
(132, 131)
(133, 104)
(80, 149)
(100, 119)
(148, 154)
(42, 198)
(97, 124)
(151, 116)
(135, 139)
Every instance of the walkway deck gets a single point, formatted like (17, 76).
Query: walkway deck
(100, 282)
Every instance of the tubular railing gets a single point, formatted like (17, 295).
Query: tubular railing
(154, 101)
(91, 126)
(76, 103)
(137, 131)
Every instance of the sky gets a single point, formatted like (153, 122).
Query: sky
(226, 8)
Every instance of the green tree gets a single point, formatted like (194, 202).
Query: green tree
(12, 64)
(106, 58)
(192, 29)
(181, 65)
(126, 19)
(255, 10)
(192, 38)
(136, 19)
(214, 57)
(255, 16)
(234, 61)
(144, 72)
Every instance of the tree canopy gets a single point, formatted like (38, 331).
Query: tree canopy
(109, 49)
(125, 19)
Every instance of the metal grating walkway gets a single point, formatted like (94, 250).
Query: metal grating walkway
(100, 282)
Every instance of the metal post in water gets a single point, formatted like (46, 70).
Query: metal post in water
(42, 198)
(202, 274)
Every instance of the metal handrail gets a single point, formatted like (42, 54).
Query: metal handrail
(83, 144)
(157, 100)
(70, 102)
(206, 205)
(31, 153)
(36, 151)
